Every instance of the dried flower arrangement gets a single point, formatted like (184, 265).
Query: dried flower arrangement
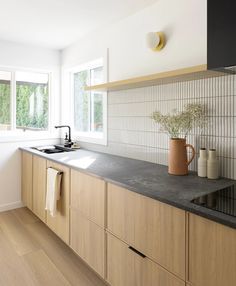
(178, 125)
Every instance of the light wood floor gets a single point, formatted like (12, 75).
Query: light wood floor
(31, 254)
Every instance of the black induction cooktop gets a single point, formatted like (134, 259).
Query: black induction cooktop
(223, 201)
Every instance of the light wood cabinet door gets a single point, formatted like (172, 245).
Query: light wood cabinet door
(27, 179)
(212, 253)
(88, 196)
(39, 187)
(60, 223)
(88, 241)
(154, 228)
(125, 267)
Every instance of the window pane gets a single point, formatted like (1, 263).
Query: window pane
(81, 101)
(5, 100)
(96, 76)
(32, 100)
(97, 100)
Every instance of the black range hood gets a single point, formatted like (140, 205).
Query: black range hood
(221, 35)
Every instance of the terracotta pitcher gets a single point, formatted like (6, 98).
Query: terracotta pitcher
(178, 160)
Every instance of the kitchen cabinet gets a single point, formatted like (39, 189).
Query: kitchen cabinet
(39, 187)
(60, 223)
(221, 28)
(27, 179)
(127, 238)
(212, 253)
(125, 267)
(88, 219)
(153, 228)
(88, 196)
(34, 180)
(88, 241)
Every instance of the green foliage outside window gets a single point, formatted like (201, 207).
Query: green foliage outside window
(84, 120)
(98, 112)
(27, 114)
(5, 103)
(31, 105)
(81, 101)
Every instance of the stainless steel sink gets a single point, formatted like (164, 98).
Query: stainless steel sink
(53, 149)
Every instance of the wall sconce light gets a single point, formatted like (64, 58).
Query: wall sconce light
(155, 41)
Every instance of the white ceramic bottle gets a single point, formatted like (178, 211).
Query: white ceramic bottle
(202, 163)
(212, 165)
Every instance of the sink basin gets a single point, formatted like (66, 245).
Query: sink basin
(53, 149)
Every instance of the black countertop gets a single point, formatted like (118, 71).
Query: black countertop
(148, 179)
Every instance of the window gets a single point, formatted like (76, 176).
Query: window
(24, 100)
(5, 100)
(31, 101)
(89, 107)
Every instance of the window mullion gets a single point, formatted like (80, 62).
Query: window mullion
(89, 103)
(50, 111)
(71, 88)
(89, 112)
(13, 101)
(92, 111)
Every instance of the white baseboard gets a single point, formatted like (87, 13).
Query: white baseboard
(11, 206)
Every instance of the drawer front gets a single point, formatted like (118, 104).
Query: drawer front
(127, 268)
(60, 223)
(88, 196)
(154, 228)
(212, 253)
(88, 241)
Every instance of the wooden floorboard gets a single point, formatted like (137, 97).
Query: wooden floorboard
(25, 216)
(31, 254)
(17, 234)
(13, 271)
(43, 270)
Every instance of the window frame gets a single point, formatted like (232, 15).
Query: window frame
(15, 133)
(89, 137)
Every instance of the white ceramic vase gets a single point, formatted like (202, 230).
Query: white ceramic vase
(212, 165)
(202, 163)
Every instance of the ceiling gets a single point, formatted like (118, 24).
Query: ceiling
(58, 23)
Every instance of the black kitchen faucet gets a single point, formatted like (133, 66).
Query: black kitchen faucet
(69, 142)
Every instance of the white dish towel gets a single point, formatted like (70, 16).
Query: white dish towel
(53, 190)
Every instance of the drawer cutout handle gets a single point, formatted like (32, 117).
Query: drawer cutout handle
(137, 252)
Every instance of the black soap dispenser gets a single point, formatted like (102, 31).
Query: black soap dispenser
(66, 140)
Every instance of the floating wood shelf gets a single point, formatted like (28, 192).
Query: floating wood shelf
(185, 74)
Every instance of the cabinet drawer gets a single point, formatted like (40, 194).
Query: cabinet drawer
(154, 228)
(127, 268)
(88, 241)
(88, 196)
(60, 223)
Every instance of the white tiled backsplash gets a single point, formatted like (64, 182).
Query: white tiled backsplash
(131, 132)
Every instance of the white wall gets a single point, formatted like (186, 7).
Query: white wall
(27, 57)
(183, 22)
(19, 55)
